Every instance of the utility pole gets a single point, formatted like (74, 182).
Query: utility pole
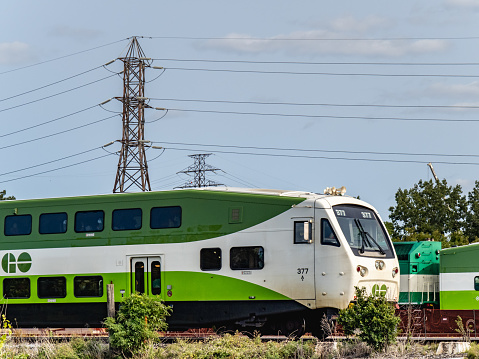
(132, 166)
(199, 169)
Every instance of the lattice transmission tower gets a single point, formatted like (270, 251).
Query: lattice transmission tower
(132, 166)
(198, 170)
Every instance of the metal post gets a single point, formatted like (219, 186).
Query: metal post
(110, 300)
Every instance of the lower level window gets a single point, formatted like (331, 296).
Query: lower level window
(476, 283)
(52, 287)
(247, 258)
(88, 286)
(16, 288)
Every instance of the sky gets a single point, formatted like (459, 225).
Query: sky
(285, 95)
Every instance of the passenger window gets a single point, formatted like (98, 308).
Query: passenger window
(88, 286)
(51, 223)
(328, 237)
(16, 288)
(246, 258)
(139, 277)
(18, 225)
(210, 259)
(476, 283)
(303, 232)
(91, 221)
(155, 273)
(126, 219)
(52, 287)
(165, 217)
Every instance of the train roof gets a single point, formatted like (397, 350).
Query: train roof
(460, 259)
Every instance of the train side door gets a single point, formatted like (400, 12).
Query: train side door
(147, 275)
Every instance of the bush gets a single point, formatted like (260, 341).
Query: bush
(137, 322)
(372, 319)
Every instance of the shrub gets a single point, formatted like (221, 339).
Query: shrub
(136, 323)
(372, 318)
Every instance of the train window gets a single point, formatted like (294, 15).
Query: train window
(126, 219)
(328, 237)
(247, 258)
(155, 274)
(210, 259)
(91, 221)
(476, 283)
(51, 223)
(140, 277)
(52, 287)
(165, 217)
(18, 225)
(303, 232)
(16, 288)
(88, 286)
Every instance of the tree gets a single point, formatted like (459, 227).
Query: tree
(472, 216)
(372, 319)
(2, 196)
(431, 209)
(137, 321)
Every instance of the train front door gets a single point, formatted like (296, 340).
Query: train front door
(147, 275)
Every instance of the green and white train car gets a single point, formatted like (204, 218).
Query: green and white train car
(459, 278)
(245, 258)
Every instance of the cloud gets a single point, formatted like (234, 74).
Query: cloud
(76, 34)
(466, 4)
(306, 42)
(455, 90)
(342, 36)
(15, 53)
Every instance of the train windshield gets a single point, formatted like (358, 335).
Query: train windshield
(364, 232)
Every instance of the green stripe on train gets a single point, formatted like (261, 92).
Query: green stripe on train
(185, 286)
(205, 214)
(460, 259)
(459, 300)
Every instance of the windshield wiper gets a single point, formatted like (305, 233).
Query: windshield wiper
(364, 236)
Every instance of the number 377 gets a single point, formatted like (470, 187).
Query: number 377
(302, 270)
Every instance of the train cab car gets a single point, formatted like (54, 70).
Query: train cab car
(419, 268)
(250, 259)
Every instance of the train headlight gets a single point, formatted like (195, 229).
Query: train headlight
(363, 271)
(395, 271)
(380, 265)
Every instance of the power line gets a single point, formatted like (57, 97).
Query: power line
(313, 39)
(59, 93)
(51, 84)
(323, 116)
(56, 133)
(313, 104)
(329, 158)
(322, 63)
(319, 150)
(320, 73)
(62, 57)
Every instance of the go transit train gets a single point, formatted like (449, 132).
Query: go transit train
(251, 259)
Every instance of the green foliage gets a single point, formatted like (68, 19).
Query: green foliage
(473, 352)
(6, 327)
(372, 319)
(136, 323)
(434, 210)
(3, 196)
(238, 347)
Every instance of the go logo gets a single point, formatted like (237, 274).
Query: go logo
(10, 264)
(379, 291)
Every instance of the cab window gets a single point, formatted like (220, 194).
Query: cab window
(328, 237)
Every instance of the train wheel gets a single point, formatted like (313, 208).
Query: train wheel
(293, 327)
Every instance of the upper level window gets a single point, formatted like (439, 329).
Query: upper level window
(165, 217)
(51, 223)
(247, 258)
(18, 225)
(210, 259)
(303, 232)
(52, 287)
(91, 221)
(328, 236)
(18, 288)
(126, 219)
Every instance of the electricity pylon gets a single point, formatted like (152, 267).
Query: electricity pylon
(199, 169)
(132, 166)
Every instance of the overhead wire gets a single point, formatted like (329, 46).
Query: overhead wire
(62, 57)
(314, 39)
